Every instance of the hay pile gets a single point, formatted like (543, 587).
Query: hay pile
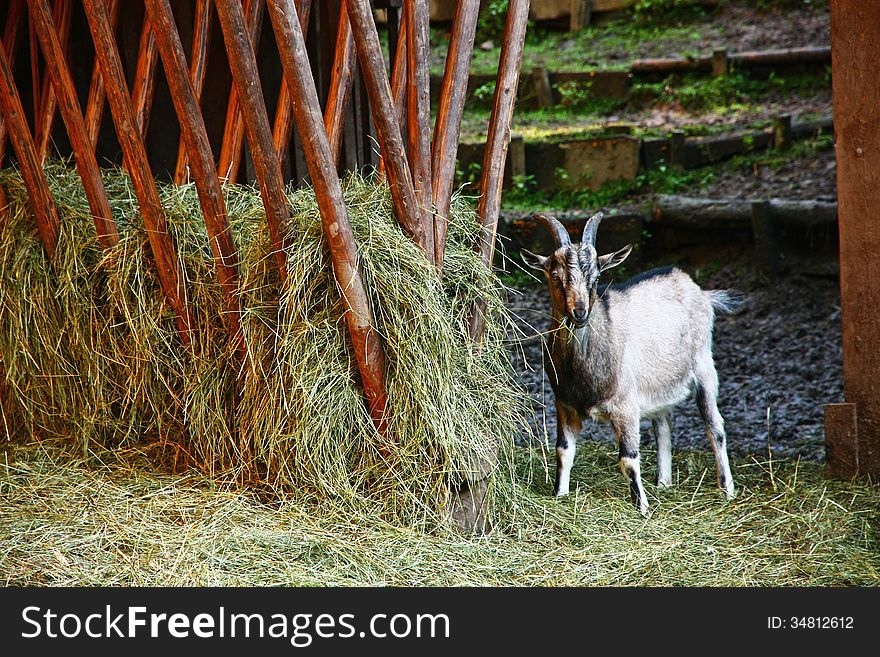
(91, 354)
(67, 521)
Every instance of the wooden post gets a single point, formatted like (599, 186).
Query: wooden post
(855, 40)
(144, 79)
(10, 40)
(419, 118)
(444, 149)
(233, 133)
(166, 261)
(67, 101)
(334, 216)
(719, 63)
(766, 244)
(245, 75)
(198, 148)
(782, 132)
(97, 96)
(283, 129)
(841, 441)
(198, 67)
(677, 150)
(397, 170)
(340, 83)
(61, 18)
(543, 88)
(579, 14)
(45, 213)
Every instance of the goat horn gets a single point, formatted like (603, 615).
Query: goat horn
(591, 227)
(557, 230)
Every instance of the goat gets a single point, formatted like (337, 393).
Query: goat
(635, 351)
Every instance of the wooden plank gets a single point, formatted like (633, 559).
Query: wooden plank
(144, 79)
(97, 96)
(334, 215)
(198, 148)
(391, 144)
(246, 78)
(233, 133)
(61, 15)
(447, 127)
(164, 255)
(418, 102)
(497, 142)
(340, 84)
(283, 127)
(10, 41)
(68, 103)
(855, 40)
(45, 213)
(198, 68)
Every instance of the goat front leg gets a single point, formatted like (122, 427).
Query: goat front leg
(568, 428)
(626, 426)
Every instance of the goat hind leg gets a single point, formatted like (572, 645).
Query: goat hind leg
(663, 432)
(568, 427)
(707, 401)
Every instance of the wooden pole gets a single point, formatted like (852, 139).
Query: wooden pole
(283, 128)
(253, 110)
(337, 229)
(45, 213)
(197, 69)
(68, 103)
(391, 144)
(198, 148)
(233, 133)
(97, 96)
(499, 136)
(61, 16)
(144, 79)
(166, 261)
(448, 124)
(340, 83)
(10, 40)
(418, 102)
(855, 38)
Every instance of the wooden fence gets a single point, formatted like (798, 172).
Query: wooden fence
(267, 90)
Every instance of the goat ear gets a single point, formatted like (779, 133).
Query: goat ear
(613, 259)
(533, 260)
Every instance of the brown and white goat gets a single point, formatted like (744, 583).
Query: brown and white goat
(635, 351)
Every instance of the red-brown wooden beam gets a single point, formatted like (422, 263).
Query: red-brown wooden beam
(144, 78)
(10, 40)
(192, 126)
(334, 215)
(398, 80)
(418, 101)
(61, 16)
(97, 96)
(164, 255)
(391, 144)
(198, 67)
(233, 132)
(246, 78)
(444, 149)
(45, 212)
(283, 129)
(855, 40)
(340, 83)
(499, 138)
(68, 103)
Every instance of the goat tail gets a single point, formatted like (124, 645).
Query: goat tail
(727, 302)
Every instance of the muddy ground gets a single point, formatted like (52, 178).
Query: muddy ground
(778, 362)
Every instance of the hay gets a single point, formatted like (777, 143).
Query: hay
(67, 521)
(91, 354)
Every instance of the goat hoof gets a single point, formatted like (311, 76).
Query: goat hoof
(644, 510)
(729, 492)
(561, 493)
(662, 483)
